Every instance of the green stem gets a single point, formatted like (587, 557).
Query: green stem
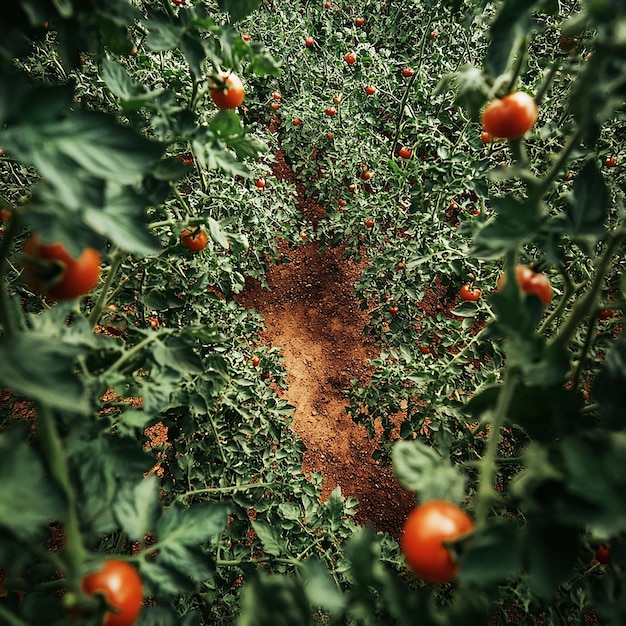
(266, 559)
(137, 348)
(588, 303)
(523, 48)
(56, 460)
(11, 619)
(116, 262)
(208, 490)
(488, 465)
(7, 317)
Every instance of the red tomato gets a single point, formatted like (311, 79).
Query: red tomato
(400, 265)
(407, 72)
(359, 21)
(255, 361)
(336, 99)
(350, 58)
(531, 282)
(352, 187)
(510, 117)
(330, 135)
(610, 162)
(469, 294)
(260, 183)
(370, 90)
(276, 95)
(331, 111)
(603, 554)
(327, 5)
(51, 271)
(405, 152)
(275, 106)
(121, 585)
(308, 42)
(425, 530)
(296, 121)
(342, 203)
(245, 37)
(366, 175)
(393, 310)
(424, 349)
(604, 315)
(433, 35)
(229, 94)
(486, 137)
(369, 223)
(194, 238)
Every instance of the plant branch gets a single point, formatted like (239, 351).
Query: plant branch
(116, 262)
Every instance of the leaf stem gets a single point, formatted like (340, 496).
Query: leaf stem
(116, 262)
(7, 317)
(209, 490)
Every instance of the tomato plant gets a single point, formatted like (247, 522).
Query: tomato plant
(426, 529)
(122, 588)
(510, 117)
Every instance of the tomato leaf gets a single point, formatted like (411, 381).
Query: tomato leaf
(271, 538)
(321, 590)
(609, 387)
(50, 378)
(493, 554)
(187, 561)
(29, 499)
(421, 468)
(238, 9)
(137, 507)
(192, 525)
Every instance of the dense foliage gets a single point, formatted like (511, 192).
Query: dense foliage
(123, 135)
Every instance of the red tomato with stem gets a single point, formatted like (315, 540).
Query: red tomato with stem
(369, 223)
(469, 294)
(194, 238)
(227, 92)
(121, 585)
(350, 58)
(330, 111)
(51, 271)
(276, 95)
(275, 106)
(530, 282)
(425, 530)
(510, 117)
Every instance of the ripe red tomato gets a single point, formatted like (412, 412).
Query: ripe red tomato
(255, 361)
(407, 72)
(296, 121)
(275, 106)
(530, 282)
(610, 162)
(245, 37)
(260, 183)
(359, 21)
(330, 135)
(352, 187)
(510, 117)
(350, 58)
(400, 265)
(425, 530)
(229, 94)
(369, 223)
(336, 99)
(276, 95)
(486, 137)
(194, 238)
(342, 202)
(433, 35)
(121, 585)
(51, 271)
(309, 41)
(366, 175)
(393, 310)
(327, 5)
(604, 315)
(331, 111)
(603, 554)
(469, 294)
(405, 152)
(370, 90)
(424, 349)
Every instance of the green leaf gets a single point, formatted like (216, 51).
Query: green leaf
(177, 353)
(516, 223)
(320, 588)
(29, 500)
(193, 525)
(493, 554)
(420, 468)
(609, 387)
(187, 561)
(217, 233)
(50, 378)
(512, 23)
(238, 9)
(168, 579)
(271, 538)
(137, 507)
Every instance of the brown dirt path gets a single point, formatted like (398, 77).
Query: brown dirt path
(312, 314)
